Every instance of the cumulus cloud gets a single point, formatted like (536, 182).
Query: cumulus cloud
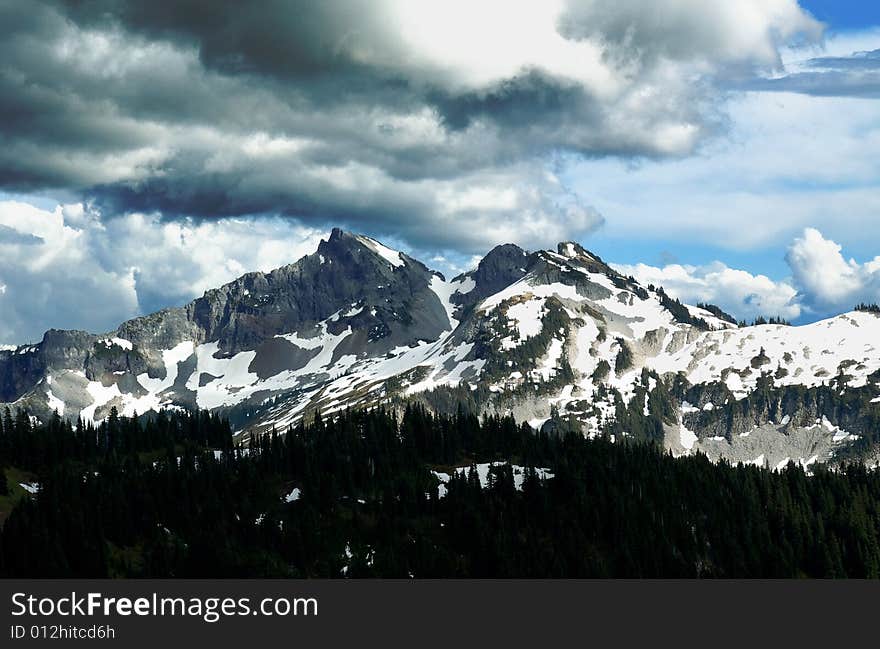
(736, 291)
(367, 114)
(822, 282)
(67, 268)
(826, 280)
(731, 32)
(51, 280)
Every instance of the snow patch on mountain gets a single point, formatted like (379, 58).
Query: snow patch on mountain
(526, 317)
(391, 256)
(54, 403)
(228, 376)
(444, 290)
(172, 358)
(806, 355)
(484, 469)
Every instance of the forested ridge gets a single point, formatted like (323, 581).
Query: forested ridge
(169, 495)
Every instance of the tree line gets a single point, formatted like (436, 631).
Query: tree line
(396, 493)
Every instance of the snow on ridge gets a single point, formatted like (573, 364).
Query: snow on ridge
(101, 396)
(232, 375)
(104, 395)
(171, 357)
(546, 368)
(527, 316)
(119, 342)
(391, 256)
(634, 314)
(523, 287)
(808, 354)
(711, 319)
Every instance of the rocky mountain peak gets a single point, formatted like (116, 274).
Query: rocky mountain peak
(572, 250)
(502, 266)
(358, 323)
(358, 250)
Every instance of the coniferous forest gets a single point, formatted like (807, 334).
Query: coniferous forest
(381, 494)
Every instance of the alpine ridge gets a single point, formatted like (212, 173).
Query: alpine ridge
(557, 338)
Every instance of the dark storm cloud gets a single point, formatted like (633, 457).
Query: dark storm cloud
(339, 111)
(527, 99)
(281, 38)
(437, 125)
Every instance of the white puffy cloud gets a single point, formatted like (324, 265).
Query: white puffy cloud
(828, 282)
(172, 261)
(822, 282)
(603, 46)
(67, 268)
(738, 292)
(51, 279)
(726, 32)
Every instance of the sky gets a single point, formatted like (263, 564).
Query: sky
(727, 151)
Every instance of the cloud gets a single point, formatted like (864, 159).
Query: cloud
(69, 267)
(748, 31)
(736, 291)
(367, 114)
(822, 283)
(857, 75)
(847, 66)
(80, 271)
(52, 281)
(829, 283)
(789, 161)
(172, 262)
(210, 142)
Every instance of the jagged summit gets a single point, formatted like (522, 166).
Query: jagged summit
(341, 244)
(548, 336)
(502, 266)
(573, 250)
(361, 248)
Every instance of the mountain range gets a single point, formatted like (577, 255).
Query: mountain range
(557, 338)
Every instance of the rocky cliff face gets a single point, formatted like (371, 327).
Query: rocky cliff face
(352, 287)
(501, 267)
(559, 339)
(346, 271)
